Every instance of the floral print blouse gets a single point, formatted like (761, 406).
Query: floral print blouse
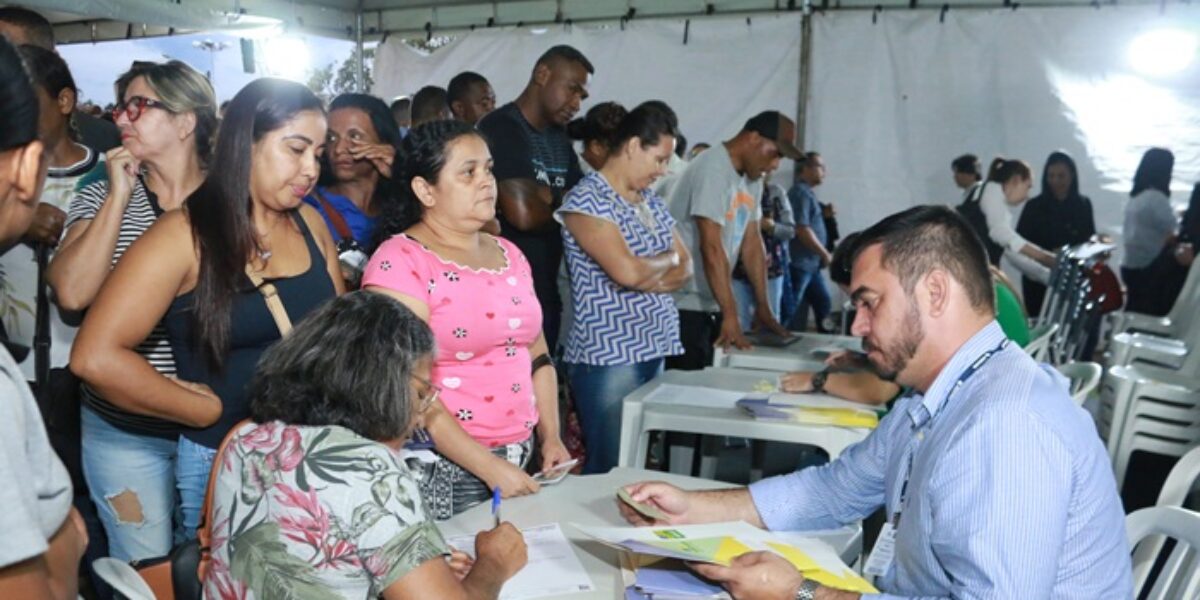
(314, 512)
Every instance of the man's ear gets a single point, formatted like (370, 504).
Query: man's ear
(541, 75)
(456, 109)
(936, 286)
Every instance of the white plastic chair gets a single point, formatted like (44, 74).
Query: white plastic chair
(1162, 418)
(1084, 378)
(1182, 480)
(1133, 348)
(1039, 341)
(1179, 577)
(1181, 317)
(123, 579)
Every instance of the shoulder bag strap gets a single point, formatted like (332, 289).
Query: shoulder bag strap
(335, 217)
(274, 303)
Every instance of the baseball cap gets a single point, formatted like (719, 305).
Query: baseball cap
(772, 125)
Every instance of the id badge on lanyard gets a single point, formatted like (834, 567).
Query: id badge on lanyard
(884, 553)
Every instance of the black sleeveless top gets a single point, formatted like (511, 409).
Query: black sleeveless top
(973, 213)
(252, 331)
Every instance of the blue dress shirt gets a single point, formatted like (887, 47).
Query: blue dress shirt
(1011, 493)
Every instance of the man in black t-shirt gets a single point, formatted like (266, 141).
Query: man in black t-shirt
(535, 166)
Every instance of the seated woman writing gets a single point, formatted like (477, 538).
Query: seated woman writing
(312, 499)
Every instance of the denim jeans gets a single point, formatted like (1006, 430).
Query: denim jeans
(599, 392)
(191, 475)
(809, 290)
(743, 293)
(116, 463)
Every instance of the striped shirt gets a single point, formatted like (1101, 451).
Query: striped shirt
(1011, 493)
(614, 325)
(139, 215)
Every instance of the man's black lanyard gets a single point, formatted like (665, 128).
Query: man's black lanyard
(962, 379)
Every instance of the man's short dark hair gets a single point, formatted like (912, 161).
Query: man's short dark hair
(567, 53)
(923, 238)
(809, 157)
(461, 84)
(37, 28)
(401, 103)
(967, 164)
(842, 260)
(428, 103)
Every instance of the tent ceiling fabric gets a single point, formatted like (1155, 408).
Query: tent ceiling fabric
(100, 20)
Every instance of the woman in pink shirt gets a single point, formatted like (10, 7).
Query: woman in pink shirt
(498, 386)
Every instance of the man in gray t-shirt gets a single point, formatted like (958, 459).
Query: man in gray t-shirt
(716, 203)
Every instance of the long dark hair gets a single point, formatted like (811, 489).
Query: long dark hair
(385, 127)
(220, 209)
(18, 102)
(648, 123)
(1059, 157)
(422, 154)
(1154, 172)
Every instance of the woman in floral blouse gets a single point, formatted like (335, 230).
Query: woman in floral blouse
(312, 500)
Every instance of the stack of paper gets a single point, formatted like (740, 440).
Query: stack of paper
(719, 543)
(808, 409)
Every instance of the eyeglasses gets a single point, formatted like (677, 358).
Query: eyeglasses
(425, 401)
(135, 106)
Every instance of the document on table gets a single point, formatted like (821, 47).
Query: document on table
(691, 395)
(553, 567)
(718, 543)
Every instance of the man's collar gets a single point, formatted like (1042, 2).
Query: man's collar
(932, 400)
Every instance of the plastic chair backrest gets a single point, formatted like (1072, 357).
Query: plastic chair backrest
(1179, 577)
(1039, 340)
(1084, 378)
(1182, 479)
(123, 578)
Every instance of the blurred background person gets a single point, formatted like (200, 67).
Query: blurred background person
(1149, 235)
(1058, 216)
(470, 97)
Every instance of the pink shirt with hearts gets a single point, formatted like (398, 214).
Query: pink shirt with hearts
(483, 322)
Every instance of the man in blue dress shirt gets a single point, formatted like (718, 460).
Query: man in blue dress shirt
(995, 484)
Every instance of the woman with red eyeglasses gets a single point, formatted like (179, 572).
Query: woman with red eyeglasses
(167, 117)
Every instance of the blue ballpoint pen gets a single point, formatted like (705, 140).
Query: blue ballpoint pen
(496, 504)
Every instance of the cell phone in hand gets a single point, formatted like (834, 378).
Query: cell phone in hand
(645, 508)
(556, 474)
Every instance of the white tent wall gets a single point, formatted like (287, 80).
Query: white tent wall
(728, 71)
(893, 101)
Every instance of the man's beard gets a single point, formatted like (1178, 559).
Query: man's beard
(897, 354)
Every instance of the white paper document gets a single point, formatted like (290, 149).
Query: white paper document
(553, 568)
(691, 395)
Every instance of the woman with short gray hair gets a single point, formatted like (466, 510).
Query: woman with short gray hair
(315, 482)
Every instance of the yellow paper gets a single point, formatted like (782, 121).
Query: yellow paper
(848, 581)
(840, 417)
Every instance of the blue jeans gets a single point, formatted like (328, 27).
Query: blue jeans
(191, 475)
(599, 393)
(809, 289)
(115, 463)
(743, 293)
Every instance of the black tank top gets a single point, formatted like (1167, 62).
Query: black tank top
(252, 330)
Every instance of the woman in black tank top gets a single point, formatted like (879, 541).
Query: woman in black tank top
(193, 269)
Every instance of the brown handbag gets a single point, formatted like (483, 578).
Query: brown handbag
(180, 575)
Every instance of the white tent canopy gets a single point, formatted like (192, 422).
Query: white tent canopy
(100, 20)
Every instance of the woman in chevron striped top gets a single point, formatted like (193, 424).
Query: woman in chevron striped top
(624, 258)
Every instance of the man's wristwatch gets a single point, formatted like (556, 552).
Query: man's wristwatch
(808, 590)
(818, 382)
